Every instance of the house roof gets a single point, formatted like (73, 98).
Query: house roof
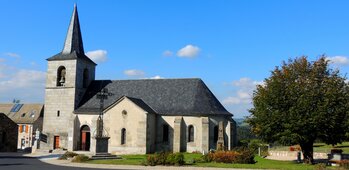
(26, 113)
(164, 96)
(4, 117)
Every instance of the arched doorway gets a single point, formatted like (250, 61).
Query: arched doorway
(85, 138)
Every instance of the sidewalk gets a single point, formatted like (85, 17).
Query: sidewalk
(51, 158)
(104, 166)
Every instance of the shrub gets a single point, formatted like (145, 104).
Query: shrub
(344, 164)
(206, 158)
(165, 159)
(320, 166)
(178, 159)
(175, 159)
(161, 158)
(151, 160)
(67, 155)
(225, 156)
(80, 158)
(241, 155)
(246, 156)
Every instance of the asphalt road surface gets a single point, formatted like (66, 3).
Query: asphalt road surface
(19, 162)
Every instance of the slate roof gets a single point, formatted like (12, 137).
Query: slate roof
(27, 114)
(164, 96)
(4, 118)
(73, 46)
(72, 56)
(139, 102)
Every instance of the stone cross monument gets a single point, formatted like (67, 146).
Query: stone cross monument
(101, 138)
(220, 141)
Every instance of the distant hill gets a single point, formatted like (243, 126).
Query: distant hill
(240, 122)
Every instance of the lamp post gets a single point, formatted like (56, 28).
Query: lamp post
(101, 139)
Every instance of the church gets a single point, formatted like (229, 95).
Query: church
(139, 116)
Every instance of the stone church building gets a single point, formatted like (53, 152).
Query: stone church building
(141, 116)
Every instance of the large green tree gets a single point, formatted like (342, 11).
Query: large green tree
(300, 102)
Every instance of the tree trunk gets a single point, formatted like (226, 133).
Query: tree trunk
(307, 149)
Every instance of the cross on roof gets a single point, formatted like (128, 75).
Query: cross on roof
(103, 94)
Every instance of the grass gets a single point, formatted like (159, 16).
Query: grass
(261, 163)
(126, 160)
(319, 147)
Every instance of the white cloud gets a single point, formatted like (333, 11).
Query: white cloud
(338, 60)
(26, 85)
(156, 77)
(167, 53)
(231, 101)
(14, 55)
(134, 72)
(243, 95)
(189, 51)
(243, 92)
(97, 56)
(246, 83)
(2, 60)
(24, 78)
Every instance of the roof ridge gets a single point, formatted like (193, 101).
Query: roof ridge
(152, 79)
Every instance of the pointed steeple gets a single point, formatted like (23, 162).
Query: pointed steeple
(73, 47)
(73, 40)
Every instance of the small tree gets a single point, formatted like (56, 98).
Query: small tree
(300, 102)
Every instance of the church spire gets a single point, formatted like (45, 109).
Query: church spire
(73, 40)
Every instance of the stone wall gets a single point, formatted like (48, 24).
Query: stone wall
(292, 155)
(128, 115)
(8, 134)
(62, 99)
(229, 131)
(203, 133)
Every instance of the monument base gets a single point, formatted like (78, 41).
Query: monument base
(102, 149)
(102, 144)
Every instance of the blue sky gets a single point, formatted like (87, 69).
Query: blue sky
(231, 45)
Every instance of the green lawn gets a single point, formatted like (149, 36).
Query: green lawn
(261, 163)
(319, 147)
(126, 160)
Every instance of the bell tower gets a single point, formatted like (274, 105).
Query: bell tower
(68, 75)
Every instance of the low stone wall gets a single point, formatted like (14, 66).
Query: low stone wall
(292, 155)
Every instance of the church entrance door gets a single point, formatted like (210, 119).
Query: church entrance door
(56, 142)
(85, 138)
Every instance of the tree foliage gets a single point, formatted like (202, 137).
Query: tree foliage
(300, 102)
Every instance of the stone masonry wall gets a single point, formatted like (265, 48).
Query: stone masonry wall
(8, 134)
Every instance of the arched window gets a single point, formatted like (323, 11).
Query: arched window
(165, 133)
(191, 133)
(85, 78)
(123, 136)
(215, 134)
(61, 72)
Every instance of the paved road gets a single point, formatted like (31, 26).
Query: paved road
(20, 162)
